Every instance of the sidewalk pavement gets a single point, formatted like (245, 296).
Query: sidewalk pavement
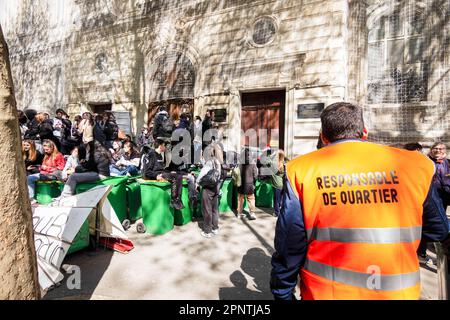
(183, 265)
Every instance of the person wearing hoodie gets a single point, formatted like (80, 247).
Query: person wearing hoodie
(93, 167)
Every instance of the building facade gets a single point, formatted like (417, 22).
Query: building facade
(261, 64)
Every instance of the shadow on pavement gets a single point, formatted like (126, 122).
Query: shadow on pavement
(256, 265)
(93, 265)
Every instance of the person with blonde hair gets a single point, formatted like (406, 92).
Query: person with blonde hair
(51, 168)
(31, 157)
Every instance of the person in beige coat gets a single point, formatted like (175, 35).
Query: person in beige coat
(86, 128)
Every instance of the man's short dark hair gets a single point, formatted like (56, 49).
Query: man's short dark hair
(158, 142)
(413, 146)
(342, 120)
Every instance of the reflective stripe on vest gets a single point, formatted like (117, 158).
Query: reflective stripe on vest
(363, 280)
(366, 235)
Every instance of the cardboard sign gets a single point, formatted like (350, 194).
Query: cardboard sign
(56, 227)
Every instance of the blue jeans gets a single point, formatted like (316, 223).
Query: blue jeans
(277, 193)
(31, 181)
(132, 170)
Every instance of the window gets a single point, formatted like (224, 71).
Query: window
(397, 59)
(220, 115)
(264, 31)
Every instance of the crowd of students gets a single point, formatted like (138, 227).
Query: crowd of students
(92, 147)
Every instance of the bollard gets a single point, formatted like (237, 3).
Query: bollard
(442, 271)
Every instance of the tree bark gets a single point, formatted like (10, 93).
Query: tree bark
(18, 265)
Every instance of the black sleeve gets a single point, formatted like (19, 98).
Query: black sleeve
(435, 225)
(45, 131)
(149, 165)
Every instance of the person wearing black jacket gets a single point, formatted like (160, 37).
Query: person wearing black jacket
(62, 126)
(94, 167)
(154, 169)
(45, 130)
(111, 129)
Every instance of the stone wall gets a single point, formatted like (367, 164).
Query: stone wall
(70, 53)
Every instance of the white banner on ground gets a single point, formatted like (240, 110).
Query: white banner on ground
(56, 227)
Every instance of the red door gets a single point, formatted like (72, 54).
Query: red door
(264, 111)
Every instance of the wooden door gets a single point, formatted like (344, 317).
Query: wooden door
(264, 111)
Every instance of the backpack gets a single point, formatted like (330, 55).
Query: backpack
(211, 179)
(236, 176)
(167, 126)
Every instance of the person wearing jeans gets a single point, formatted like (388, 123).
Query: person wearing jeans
(51, 168)
(94, 168)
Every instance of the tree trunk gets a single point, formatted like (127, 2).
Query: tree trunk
(18, 266)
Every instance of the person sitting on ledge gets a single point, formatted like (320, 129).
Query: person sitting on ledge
(154, 169)
(94, 167)
(128, 163)
(51, 168)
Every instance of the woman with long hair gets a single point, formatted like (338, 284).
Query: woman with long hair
(210, 195)
(31, 157)
(51, 168)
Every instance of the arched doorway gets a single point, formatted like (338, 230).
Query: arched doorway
(173, 82)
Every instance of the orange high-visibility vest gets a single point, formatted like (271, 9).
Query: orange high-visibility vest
(362, 209)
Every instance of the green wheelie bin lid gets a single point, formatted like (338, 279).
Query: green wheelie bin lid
(117, 197)
(47, 190)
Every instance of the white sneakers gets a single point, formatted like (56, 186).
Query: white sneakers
(251, 216)
(206, 235)
(214, 232)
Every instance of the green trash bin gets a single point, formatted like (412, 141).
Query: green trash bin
(81, 240)
(134, 199)
(183, 216)
(157, 215)
(226, 203)
(117, 197)
(47, 190)
(264, 194)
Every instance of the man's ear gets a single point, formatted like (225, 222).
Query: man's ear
(325, 141)
(365, 134)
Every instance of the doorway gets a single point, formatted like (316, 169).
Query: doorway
(100, 108)
(264, 111)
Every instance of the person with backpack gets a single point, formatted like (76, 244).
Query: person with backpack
(209, 178)
(163, 125)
